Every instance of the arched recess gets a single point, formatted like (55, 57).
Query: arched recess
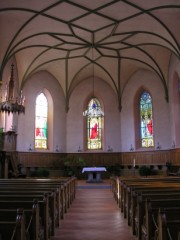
(176, 108)
(143, 119)
(43, 81)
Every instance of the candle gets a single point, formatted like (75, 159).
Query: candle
(134, 162)
(6, 91)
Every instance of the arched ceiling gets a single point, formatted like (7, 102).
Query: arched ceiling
(65, 37)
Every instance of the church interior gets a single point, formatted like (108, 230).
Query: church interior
(90, 90)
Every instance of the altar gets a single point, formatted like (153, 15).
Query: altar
(94, 174)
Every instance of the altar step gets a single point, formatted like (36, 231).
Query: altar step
(82, 184)
(94, 186)
(94, 215)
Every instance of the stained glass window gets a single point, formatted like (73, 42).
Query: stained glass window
(94, 125)
(41, 115)
(146, 118)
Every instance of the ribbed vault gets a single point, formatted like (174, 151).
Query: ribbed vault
(58, 36)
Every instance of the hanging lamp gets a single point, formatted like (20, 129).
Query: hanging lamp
(93, 110)
(12, 104)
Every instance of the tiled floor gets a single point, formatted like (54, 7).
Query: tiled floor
(94, 215)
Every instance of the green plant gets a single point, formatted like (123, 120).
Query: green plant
(117, 169)
(114, 169)
(144, 171)
(169, 165)
(73, 165)
(42, 172)
(1, 138)
(74, 161)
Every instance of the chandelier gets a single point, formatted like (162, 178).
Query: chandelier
(94, 109)
(12, 104)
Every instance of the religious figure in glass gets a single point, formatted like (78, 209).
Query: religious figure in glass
(94, 128)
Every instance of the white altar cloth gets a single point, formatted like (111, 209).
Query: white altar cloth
(94, 173)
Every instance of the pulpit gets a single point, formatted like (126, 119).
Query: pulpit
(94, 174)
(10, 138)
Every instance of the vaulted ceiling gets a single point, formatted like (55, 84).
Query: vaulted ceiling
(65, 37)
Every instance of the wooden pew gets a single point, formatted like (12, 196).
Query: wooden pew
(45, 183)
(128, 185)
(114, 181)
(58, 206)
(168, 223)
(149, 226)
(136, 210)
(137, 186)
(36, 194)
(127, 204)
(125, 185)
(61, 197)
(13, 225)
(67, 187)
(31, 219)
(28, 204)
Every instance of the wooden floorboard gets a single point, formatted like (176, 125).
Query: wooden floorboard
(94, 215)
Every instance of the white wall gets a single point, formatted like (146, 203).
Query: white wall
(68, 128)
(174, 100)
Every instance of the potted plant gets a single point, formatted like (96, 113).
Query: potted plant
(168, 165)
(73, 165)
(1, 138)
(41, 172)
(144, 171)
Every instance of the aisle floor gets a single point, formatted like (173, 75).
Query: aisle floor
(94, 215)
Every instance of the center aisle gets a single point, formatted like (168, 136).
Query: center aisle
(94, 215)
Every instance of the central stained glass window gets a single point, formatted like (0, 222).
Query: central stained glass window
(94, 125)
